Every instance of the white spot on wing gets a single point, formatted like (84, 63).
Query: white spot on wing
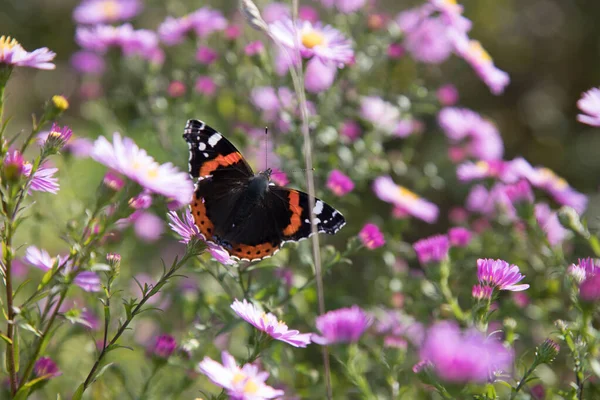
(205, 155)
(214, 139)
(202, 146)
(318, 207)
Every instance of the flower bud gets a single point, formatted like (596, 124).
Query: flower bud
(547, 351)
(569, 218)
(252, 15)
(45, 367)
(165, 346)
(114, 261)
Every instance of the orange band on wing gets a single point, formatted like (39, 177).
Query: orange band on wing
(252, 252)
(295, 221)
(219, 161)
(202, 222)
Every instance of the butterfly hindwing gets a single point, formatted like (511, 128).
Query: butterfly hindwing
(211, 153)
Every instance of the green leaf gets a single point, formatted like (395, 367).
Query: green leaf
(595, 365)
(16, 350)
(78, 393)
(23, 393)
(5, 338)
(102, 371)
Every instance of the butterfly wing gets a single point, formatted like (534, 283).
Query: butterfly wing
(213, 155)
(281, 217)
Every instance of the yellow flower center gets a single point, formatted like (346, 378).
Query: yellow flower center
(404, 192)
(450, 2)
(482, 166)
(60, 102)
(250, 387)
(238, 377)
(153, 173)
(479, 52)
(561, 183)
(312, 39)
(54, 134)
(110, 9)
(7, 43)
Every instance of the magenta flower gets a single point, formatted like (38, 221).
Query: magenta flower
(125, 157)
(13, 54)
(245, 383)
(429, 41)
(482, 292)
(319, 76)
(344, 325)
(164, 346)
(100, 38)
(350, 129)
(589, 104)
(345, 6)
(279, 177)
(447, 95)
(176, 89)
(496, 169)
(589, 290)
(371, 237)
(15, 166)
(45, 368)
(43, 179)
(275, 11)
(88, 62)
(205, 85)
(405, 200)
(459, 236)
(186, 228)
(268, 323)
(434, 248)
(500, 274)
(205, 55)
(94, 12)
(203, 21)
(57, 137)
(339, 183)
(395, 51)
(88, 281)
(548, 221)
(254, 48)
(519, 192)
(147, 226)
(577, 272)
(462, 357)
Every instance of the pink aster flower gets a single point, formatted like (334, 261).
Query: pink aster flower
(429, 41)
(106, 11)
(459, 236)
(519, 192)
(589, 290)
(447, 95)
(88, 62)
(405, 200)
(88, 281)
(497, 169)
(383, 115)
(339, 183)
(279, 177)
(15, 166)
(585, 268)
(275, 11)
(147, 226)
(344, 325)
(254, 48)
(205, 85)
(268, 323)
(100, 38)
(462, 357)
(245, 383)
(345, 6)
(434, 248)
(203, 21)
(319, 76)
(371, 237)
(43, 179)
(395, 51)
(186, 228)
(500, 274)
(164, 346)
(589, 104)
(350, 129)
(482, 292)
(125, 157)
(45, 368)
(56, 137)
(12, 53)
(205, 55)
(548, 221)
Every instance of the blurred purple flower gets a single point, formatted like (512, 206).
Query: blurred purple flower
(176, 89)
(477, 200)
(497, 169)
(254, 48)
(463, 357)
(339, 183)
(245, 383)
(206, 20)
(268, 323)
(186, 228)
(232, 32)
(459, 236)
(88, 281)
(394, 323)
(102, 11)
(88, 62)
(350, 129)
(319, 75)
(383, 115)
(100, 38)
(577, 272)
(371, 237)
(548, 221)
(113, 181)
(589, 290)
(395, 51)
(429, 41)
(164, 346)
(148, 227)
(500, 274)
(286, 275)
(275, 11)
(519, 192)
(142, 201)
(41, 259)
(14, 165)
(407, 201)
(345, 6)
(172, 31)
(279, 177)
(205, 55)
(589, 104)
(344, 325)
(125, 157)
(434, 248)
(308, 13)
(447, 95)
(205, 85)
(14, 54)
(482, 292)
(45, 368)
(43, 179)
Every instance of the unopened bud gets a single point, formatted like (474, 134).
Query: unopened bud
(547, 351)
(252, 15)
(569, 218)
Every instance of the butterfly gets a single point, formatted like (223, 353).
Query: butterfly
(242, 211)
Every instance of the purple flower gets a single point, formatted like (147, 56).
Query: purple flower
(148, 227)
(339, 183)
(186, 228)
(429, 41)
(384, 116)
(176, 89)
(268, 323)
(125, 157)
(308, 13)
(589, 290)
(15, 166)
(395, 324)
(500, 274)
(447, 95)
(395, 51)
(106, 11)
(88, 281)
(254, 48)
(496, 169)
(57, 137)
(43, 179)
(577, 272)
(275, 11)
(172, 31)
(205, 85)
(279, 177)
(113, 181)
(88, 62)
(371, 237)
(548, 221)
(141, 202)
(41, 259)
(519, 192)
(350, 129)
(459, 236)
(12, 53)
(482, 292)
(463, 357)
(164, 346)
(205, 55)
(100, 38)
(245, 383)
(319, 75)
(206, 20)
(589, 104)
(434, 248)
(45, 368)
(344, 325)
(405, 200)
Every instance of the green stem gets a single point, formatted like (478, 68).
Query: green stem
(10, 327)
(523, 380)
(445, 289)
(155, 369)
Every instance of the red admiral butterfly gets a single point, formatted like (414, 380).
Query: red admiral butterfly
(246, 213)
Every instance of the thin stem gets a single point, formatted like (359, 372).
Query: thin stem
(10, 327)
(523, 380)
(155, 369)
(445, 289)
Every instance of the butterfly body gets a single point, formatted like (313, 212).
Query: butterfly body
(244, 212)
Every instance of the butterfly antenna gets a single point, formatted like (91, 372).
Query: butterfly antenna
(266, 151)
